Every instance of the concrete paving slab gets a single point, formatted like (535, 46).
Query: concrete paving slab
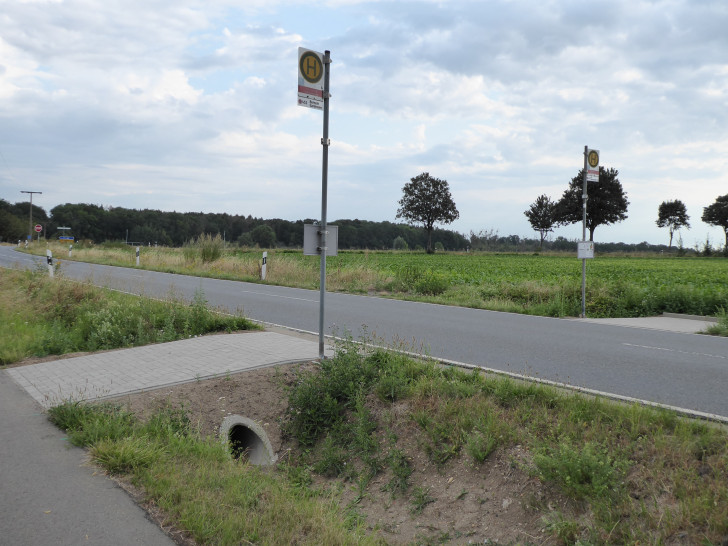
(686, 324)
(113, 373)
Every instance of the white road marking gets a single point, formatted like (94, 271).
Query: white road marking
(277, 296)
(723, 357)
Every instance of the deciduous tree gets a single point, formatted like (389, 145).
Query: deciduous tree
(717, 215)
(427, 201)
(672, 215)
(541, 216)
(606, 201)
(264, 236)
(12, 228)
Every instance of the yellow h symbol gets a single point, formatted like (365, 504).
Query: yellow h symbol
(310, 67)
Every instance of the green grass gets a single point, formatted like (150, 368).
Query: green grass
(721, 327)
(548, 285)
(217, 499)
(43, 316)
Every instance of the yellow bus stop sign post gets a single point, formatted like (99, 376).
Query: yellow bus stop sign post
(313, 92)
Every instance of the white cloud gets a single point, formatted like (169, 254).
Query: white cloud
(169, 85)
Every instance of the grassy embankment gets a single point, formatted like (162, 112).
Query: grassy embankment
(41, 317)
(630, 474)
(548, 285)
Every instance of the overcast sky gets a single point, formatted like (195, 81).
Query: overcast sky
(191, 105)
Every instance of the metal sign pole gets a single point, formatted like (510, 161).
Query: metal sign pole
(30, 236)
(583, 238)
(324, 188)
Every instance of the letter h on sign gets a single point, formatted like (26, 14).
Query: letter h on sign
(311, 68)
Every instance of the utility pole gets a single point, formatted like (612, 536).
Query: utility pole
(30, 231)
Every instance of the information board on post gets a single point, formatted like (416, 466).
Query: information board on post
(585, 250)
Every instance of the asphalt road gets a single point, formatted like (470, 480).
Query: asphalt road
(682, 370)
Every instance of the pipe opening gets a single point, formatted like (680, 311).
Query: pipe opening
(247, 440)
(244, 443)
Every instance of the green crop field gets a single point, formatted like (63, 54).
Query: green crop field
(616, 286)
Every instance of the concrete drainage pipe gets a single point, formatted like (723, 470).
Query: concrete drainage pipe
(247, 440)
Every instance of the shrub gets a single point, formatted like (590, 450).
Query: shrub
(264, 236)
(431, 284)
(407, 276)
(246, 240)
(400, 244)
(210, 247)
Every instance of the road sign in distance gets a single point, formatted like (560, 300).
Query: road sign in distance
(38, 228)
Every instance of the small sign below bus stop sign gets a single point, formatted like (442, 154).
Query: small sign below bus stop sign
(585, 250)
(312, 240)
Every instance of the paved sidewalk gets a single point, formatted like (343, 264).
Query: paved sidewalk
(124, 371)
(685, 324)
(49, 496)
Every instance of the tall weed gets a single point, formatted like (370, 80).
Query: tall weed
(206, 248)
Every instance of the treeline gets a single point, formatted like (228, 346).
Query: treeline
(491, 241)
(99, 224)
(15, 218)
(149, 227)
